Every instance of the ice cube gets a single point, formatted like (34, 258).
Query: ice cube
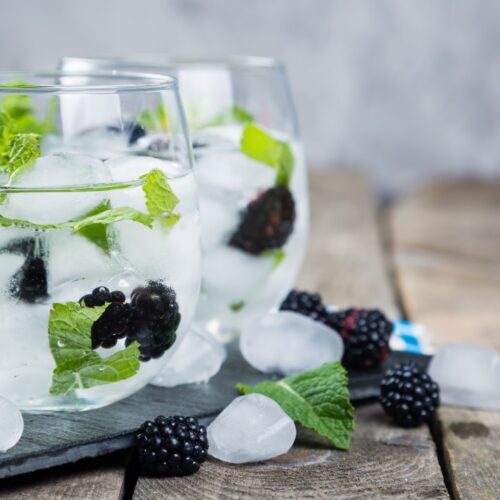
(234, 275)
(252, 428)
(198, 359)
(58, 170)
(233, 172)
(11, 425)
(468, 375)
(9, 265)
(219, 220)
(287, 343)
(73, 257)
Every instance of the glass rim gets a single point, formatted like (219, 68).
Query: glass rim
(158, 60)
(134, 82)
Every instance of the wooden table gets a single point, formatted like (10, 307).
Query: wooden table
(434, 257)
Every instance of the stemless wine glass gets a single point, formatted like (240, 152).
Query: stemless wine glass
(251, 175)
(100, 255)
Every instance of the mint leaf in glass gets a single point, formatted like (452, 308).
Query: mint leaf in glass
(105, 217)
(317, 399)
(23, 151)
(97, 233)
(160, 199)
(257, 144)
(277, 254)
(154, 120)
(77, 365)
(237, 306)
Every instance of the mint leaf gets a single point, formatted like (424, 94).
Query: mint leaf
(160, 199)
(105, 217)
(241, 115)
(278, 254)
(24, 149)
(257, 144)
(154, 119)
(237, 306)
(77, 365)
(97, 233)
(317, 399)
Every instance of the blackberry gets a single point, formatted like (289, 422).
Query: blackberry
(409, 395)
(134, 131)
(267, 222)
(171, 446)
(365, 334)
(154, 319)
(111, 325)
(29, 283)
(100, 296)
(308, 304)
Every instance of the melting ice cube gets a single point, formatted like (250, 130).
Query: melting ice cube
(198, 359)
(468, 375)
(287, 343)
(11, 425)
(252, 428)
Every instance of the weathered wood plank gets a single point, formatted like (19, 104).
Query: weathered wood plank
(446, 240)
(447, 252)
(98, 479)
(345, 263)
(472, 451)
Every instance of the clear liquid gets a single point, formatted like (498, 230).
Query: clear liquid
(238, 286)
(75, 266)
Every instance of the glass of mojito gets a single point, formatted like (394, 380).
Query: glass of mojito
(100, 255)
(251, 173)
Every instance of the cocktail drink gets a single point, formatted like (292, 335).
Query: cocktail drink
(100, 259)
(251, 174)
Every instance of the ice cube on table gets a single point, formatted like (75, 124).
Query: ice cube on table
(468, 375)
(198, 359)
(58, 170)
(252, 428)
(11, 425)
(234, 275)
(287, 343)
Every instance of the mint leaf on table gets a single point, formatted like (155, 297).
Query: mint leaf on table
(77, 365)
(105, 217)
(257, 144)
(160, 199)
(317, 399)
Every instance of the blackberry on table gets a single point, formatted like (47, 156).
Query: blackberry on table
(171, 446)
(365, 333)
(267, 222)
(409, 395)
(306, 303)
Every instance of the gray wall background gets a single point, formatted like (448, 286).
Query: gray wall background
(403, 90)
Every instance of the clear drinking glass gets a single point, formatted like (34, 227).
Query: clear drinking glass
(100, 255)
(251, 174)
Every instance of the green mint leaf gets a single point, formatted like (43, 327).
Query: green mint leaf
(257, 144)
(317, 399)
(160, 199)
(237, 306)
(154, 120)
(24, 149)
(77, 365)
(278, 254)
(97, 233)
(241, 115)
(105, 217)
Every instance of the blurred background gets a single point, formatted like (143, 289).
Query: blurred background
(403, 91)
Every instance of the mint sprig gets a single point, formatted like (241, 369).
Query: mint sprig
(259, 145)
(160, 199)
(104, 217)
(154, 120)
(77, 365)
(317, 399)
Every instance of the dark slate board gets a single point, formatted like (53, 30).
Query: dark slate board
(51, 440)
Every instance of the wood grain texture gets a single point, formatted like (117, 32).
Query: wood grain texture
(446, 240)
(89, 480)
(345, 264)
(383, 462)
(471, 442)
